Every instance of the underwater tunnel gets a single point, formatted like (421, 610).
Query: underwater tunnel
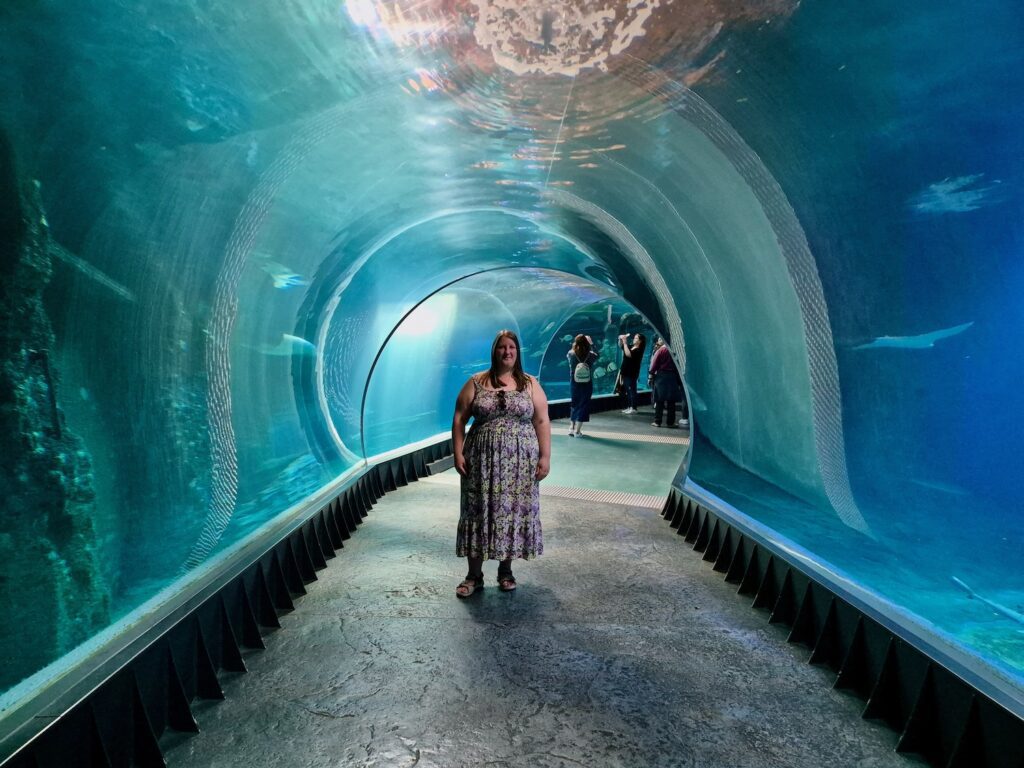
(251, 252)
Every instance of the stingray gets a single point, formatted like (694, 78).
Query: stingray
(1002, 610)
(922, 341)
(953, 490)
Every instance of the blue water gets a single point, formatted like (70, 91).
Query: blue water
(279, 243)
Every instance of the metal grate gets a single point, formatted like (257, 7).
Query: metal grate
(604, 497)
(638, 437)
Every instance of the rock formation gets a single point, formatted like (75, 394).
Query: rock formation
(51, 592)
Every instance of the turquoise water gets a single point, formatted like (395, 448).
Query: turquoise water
(242, 252)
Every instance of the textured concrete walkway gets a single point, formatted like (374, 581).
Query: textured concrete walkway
(620, 648)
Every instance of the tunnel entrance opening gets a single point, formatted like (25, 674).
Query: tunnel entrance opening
(367, 286)
(445, 338)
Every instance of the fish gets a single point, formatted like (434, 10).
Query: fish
(548, 328)
(921, 341)
(567, 337)
(428, 80)
(283, 277)
(547, 30)
(599, 373)
(1002, 610)
(943, 487)
(960, 195)
(612, 367)
(288, 346)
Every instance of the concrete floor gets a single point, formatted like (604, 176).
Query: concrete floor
(610, 455)
(620, 648)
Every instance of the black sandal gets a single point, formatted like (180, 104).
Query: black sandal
(471, 584)
(506, 581)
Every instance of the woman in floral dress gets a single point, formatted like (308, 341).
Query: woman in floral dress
(502, 459)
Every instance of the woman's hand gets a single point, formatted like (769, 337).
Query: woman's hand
(460, 464)
(543, 467)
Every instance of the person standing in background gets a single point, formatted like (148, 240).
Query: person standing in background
(668, 387)
(658, 344)
(581, 357)
(629, 372)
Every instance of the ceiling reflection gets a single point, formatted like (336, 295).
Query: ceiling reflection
(553, 69)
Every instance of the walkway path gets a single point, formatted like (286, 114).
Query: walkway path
(620, 648)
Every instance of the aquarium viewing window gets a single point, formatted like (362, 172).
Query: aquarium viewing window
(227, 238)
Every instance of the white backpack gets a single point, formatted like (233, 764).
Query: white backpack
(581, 373)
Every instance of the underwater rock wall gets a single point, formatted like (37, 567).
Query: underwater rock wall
(51, 589)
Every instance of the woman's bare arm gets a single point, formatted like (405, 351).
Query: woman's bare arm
(463, 410)
(542, 425)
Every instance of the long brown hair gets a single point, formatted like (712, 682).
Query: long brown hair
(641, 344)
(520, 377)
(581, 347)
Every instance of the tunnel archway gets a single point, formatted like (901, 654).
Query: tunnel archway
(534, 302)
(621, 256)
(801, 184)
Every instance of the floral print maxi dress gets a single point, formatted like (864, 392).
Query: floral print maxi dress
(500, 499)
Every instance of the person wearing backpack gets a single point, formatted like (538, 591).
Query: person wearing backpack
(581, 358)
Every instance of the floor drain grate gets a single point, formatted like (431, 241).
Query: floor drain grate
(637, 436)
(604, 497)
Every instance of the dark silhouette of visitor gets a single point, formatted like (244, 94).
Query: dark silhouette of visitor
(668, 387)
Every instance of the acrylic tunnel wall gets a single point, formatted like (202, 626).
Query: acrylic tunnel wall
(245, 248)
